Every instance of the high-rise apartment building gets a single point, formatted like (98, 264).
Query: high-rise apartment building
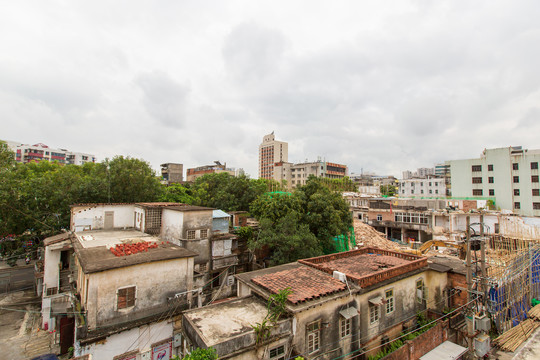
(509, 176)
(271, 152)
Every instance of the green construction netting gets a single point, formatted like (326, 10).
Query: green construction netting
(345, 242)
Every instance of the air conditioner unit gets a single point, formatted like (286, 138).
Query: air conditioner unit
(340, 276)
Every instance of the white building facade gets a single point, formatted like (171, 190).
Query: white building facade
(431, 187)
(508, 176)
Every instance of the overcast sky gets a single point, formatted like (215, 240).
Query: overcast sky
(382, 86)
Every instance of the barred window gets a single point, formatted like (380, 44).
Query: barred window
(204, 233)
(191, 234)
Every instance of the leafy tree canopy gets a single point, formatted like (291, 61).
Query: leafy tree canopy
(202, 354)
(302, 224)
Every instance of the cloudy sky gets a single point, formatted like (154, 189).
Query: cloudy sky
(382, 86)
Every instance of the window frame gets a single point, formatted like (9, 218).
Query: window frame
(129, 303)
(517, 205)
(515, 179)
(190, 234)
(390, 302)
(374, 314)
(203, 233)
(420, 286)
(516, 192)
(515, 166)
(345, 326)
(534, 178)
(313, 335)
(535, 192)
(477, 192)
(534, 165)
(490, 167)
(278, 355)
(476, 168)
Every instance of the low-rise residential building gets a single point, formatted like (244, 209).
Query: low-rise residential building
(297, 174)
(340, 305)
(427, 187)
(25, 153)
(197, 172)
(125, 271)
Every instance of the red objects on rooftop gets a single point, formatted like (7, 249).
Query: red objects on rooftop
(130, 249)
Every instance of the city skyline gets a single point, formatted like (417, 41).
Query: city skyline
(378, 87)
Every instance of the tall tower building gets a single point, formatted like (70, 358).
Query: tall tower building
(270, 153)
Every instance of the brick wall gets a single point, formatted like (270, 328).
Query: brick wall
(455, 281)
(422, 344)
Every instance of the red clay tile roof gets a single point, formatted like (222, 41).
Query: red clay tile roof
(364, 264)
(305, 282)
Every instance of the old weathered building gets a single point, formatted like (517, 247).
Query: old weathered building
(341, 305)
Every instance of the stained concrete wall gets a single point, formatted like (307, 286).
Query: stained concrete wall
(154, 281)
(139, 338)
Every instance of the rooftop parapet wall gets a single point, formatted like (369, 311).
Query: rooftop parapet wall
(414, 263)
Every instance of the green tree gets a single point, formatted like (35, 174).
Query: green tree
(325, 212)
(226, 192)
(388, 190)
(287, 239)
(7, 157)
(131, 180)
(177, 193)
(202, 354)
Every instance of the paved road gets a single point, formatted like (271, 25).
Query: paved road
(16, 278)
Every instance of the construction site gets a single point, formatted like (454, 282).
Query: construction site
(502, 262)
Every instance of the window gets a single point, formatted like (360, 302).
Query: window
(204, 233)
(476, 180)
(421, 293)
(412, 191)
(536, 192)
(430, 191)
(278, 353)
(429, 184)
(436, 183)
(389, 294)
(345, 326)
(422, 191)
(490, 167)
(491, 180)
(313, 336)
(515, 166)
(516, 192)
(536, 206)
(125, 297)
(379, 217)
(191, 234)
(436, 191)
(534, 178)
(534, 165)
(477, 168)
(517, 205)
(52, 291)
(491, 192)
(373, 314)
(477, 192)
(516, 179)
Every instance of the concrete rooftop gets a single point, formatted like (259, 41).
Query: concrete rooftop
(94, 238)
(221, 322)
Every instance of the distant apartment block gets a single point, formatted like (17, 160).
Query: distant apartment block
(509, 176)
(25, 153)
(197, 172)
(271, 152)
(419, 173)
(430, 187)
(297, 174)
(172, 173)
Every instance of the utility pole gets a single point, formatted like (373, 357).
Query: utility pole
(469, 314)
(483, 279)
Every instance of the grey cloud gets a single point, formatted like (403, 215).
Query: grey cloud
(165, 99)
(253, 53)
